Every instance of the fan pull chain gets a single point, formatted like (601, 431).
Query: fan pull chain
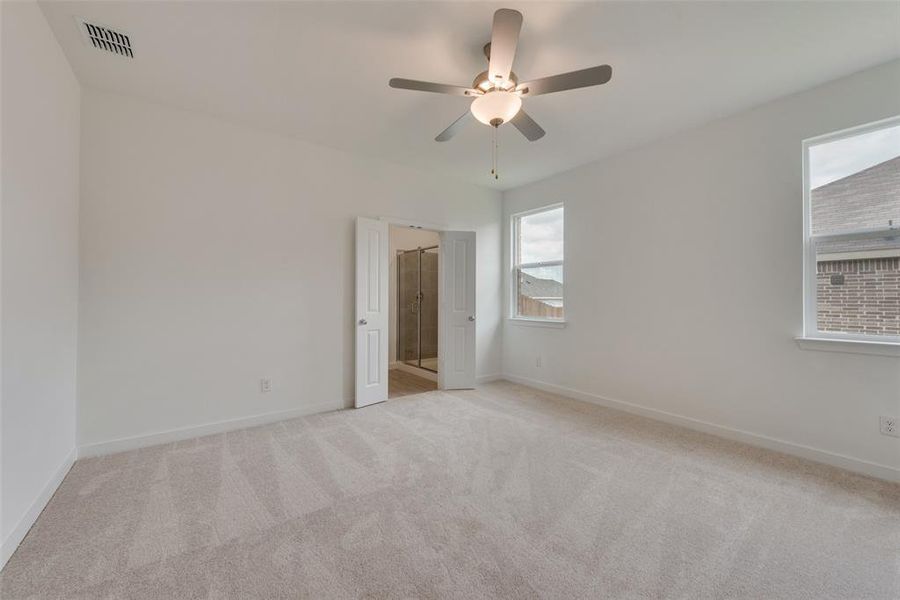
(495, 153)
(493, 161)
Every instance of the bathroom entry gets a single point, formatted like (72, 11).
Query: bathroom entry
(414, 300)
(381, 372)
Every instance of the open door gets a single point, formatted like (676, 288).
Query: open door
(372, 320)
(457, 310)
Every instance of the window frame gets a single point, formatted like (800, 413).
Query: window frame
(852, 342)
(514, 221)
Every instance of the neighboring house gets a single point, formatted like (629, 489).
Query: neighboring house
(858, 282)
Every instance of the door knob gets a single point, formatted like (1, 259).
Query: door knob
(363, 322)
(471, 318)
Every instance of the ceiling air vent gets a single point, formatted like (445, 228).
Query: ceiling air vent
(104, 38)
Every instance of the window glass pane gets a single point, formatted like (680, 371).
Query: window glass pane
(854, 182)
(539, 292)
(855, 185)
(541, 236)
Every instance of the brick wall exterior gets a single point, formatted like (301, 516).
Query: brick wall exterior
(868, 300)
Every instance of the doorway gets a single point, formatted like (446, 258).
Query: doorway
(414, 312)
(378, 304)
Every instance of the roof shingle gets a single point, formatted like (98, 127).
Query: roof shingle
(868, 199)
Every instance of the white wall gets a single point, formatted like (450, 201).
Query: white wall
(404, 238)
(214, 254)
(683, 281)
(40, 129)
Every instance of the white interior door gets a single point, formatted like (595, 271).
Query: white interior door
(457, 310)
(372, 319)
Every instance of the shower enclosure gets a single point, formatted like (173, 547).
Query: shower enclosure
(417, 310)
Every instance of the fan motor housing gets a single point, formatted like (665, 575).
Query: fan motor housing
(482, 82)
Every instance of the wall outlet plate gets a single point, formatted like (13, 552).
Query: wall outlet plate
(889, 426)
(265, 385)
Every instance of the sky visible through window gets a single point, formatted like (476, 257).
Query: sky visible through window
(835, 160)
(540, 240)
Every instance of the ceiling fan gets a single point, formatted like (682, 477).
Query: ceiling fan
(497, 94)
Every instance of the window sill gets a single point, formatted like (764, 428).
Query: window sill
(536, 322)
(851, 346)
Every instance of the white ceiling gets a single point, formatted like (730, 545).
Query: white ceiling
(319, 71)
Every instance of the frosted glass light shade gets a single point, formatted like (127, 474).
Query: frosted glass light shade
(496, 105)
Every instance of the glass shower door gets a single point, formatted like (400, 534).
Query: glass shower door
(417, 310)
(407, 309)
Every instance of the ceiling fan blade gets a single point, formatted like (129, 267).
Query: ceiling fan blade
(427, 86)
(527, 126)
(504, 38)
(455, 127)
(567, 81)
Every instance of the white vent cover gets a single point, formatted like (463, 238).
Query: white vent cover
(104, 38)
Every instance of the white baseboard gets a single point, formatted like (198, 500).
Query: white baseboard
(754, 439)
(18, 534)
(488, 378)
(184, 433)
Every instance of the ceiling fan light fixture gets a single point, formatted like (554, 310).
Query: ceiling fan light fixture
(496, 106)
(497, 91)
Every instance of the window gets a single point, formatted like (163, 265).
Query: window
(852, 234)
(537, 256)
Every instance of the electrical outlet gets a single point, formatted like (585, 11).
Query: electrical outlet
(889, 426)
(538, 362)
(265, 385)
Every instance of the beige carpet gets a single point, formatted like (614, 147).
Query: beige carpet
(503, 492)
